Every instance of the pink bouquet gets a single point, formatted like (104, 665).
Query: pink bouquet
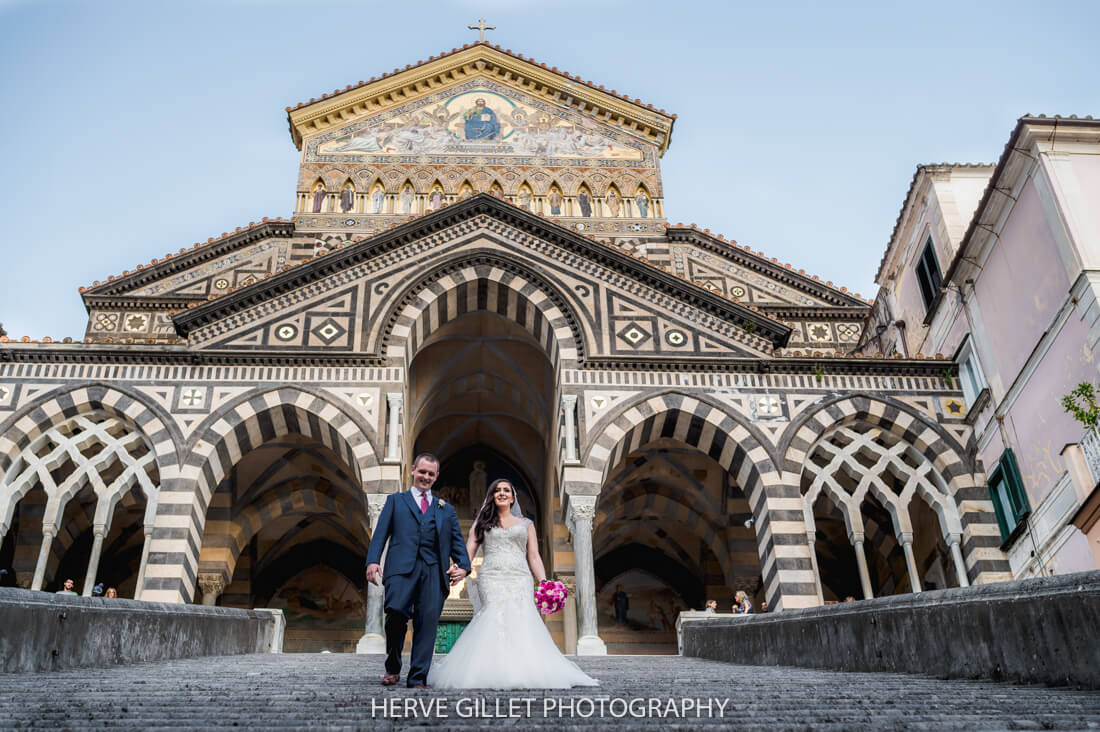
(550, 596)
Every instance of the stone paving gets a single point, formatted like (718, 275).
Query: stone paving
(342, 692)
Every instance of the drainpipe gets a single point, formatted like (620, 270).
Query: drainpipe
(900, 325)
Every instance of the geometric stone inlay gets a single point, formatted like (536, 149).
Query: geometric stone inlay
(676, 338)
(329, 331)
(286, 332)
(634, 334)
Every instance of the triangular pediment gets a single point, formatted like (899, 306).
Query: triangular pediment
(464, 257)
(546, 93)
(478, 117)
(208, 269)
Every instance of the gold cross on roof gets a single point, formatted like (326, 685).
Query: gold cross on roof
(481, 28)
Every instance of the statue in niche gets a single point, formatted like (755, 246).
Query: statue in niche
(347, 200)
(378, 199)
(407, 199)
(642, 200)
(481, 122)
(523, 200)
(613, 203)
(555, 202)
(435, 200)
(479, 485)
(465, 193)
(585, 203)
(319, 199)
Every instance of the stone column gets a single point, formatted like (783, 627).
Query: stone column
(374, 637)
(569, 406)
(570, 617)
(861, 560)
(394, 400)
(212, 584)
(811, 538)
(960, 565)
(48, 533)
(93, 561)
(144, 561)
(910, 561)
(582, 510)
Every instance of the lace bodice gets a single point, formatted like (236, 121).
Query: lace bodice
(506, 548)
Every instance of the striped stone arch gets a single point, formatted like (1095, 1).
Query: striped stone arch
(483, 282)
(928, 438)
(222, 549)
(785, 558)
(60, 405)
(980, 544)
(218, 444)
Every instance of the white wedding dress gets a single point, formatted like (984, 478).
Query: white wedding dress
(506, 645)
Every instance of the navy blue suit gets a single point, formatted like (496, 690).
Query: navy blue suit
(415, 575)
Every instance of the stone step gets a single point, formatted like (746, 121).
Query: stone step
(341, 691)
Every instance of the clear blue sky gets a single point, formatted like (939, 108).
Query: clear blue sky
(131, 129)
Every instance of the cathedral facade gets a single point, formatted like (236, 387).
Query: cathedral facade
(480, 265)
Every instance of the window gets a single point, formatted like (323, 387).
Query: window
(970, 372)
(1007, 490)
(928, 274)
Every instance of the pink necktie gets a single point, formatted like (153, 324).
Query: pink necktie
(423, 503)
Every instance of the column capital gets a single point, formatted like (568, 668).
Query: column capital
(855, 537)
(570, 584)
(211, 583)
(375, 502)
(395, 397)
(569, 400)
(581, 508)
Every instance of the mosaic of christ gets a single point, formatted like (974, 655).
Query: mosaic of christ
(481, 121)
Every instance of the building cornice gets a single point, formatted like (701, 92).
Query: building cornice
(840, 312)
(179, 355)
(1015, 160)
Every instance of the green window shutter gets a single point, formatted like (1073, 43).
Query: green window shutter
(1006, 488)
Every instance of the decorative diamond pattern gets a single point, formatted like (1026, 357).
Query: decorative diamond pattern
(329, 331)
(634, 334)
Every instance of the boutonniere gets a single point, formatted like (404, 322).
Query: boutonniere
(441, 503)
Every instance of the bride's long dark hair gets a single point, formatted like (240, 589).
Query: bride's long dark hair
(487, 517)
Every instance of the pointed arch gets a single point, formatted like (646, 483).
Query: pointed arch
(614, 202)
(436, 197)
(934, 442)
(405, 202)
(55, 407)
(317, 194)
(218, 443)
(347, 198)
(737, 447)
(483, 281)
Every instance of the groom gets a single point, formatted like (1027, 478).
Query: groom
(424, 536)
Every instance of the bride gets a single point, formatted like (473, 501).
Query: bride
(506, 645)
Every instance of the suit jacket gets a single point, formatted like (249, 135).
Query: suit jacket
(400, 525)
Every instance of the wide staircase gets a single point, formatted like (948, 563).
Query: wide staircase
(624, 641)
(342, 691)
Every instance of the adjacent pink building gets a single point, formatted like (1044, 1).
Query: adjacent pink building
(998, 267)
